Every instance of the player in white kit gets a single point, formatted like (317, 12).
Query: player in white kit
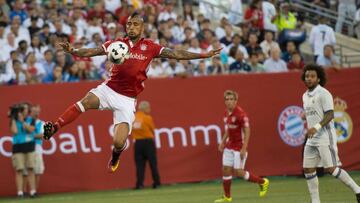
(321, 145)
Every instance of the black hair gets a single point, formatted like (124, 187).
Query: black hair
(319, 72)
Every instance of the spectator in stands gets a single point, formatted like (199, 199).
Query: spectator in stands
(72, 74)
(168, 12)
(357, 23)
(145, 150)
(220, 30)
(203, 70)
(48, 66)
(23, 148)
(23, 50)
(189, 16)
(268, 43)
(290, 50)
(227, 39)
(33, 28)
(172, 68)
(94, 27)
(253, 45)
(236, 42)
(155, 69)
(346, 9)
(34, 68)
(18, 10)
(78, 17)
(216, 67)
(275, 63)
(239, 66)
(37, 47)
(4, 11)
(328, 59)
(285, 19)
(45, 34)
(321, 35)
(97, 12)
(254, 16)
(254, 63)
(269, 11)
(296, 63)
(21, 76)
(208, 38)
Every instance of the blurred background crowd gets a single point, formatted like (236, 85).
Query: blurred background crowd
(256, 36)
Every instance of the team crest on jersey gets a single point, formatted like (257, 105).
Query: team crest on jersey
(342, 120)
(143, 47)
(291, 126)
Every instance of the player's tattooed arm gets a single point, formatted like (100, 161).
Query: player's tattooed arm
(83, 52)
(328, 116)
(185, 55)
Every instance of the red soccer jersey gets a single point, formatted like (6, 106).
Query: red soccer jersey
(234, 123)
(128, 78)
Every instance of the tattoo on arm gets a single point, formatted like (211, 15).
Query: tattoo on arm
(179, 54)
(85, 52)
(328, 116)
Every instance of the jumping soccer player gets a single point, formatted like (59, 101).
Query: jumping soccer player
(321, 144)
(126, 81)
(234, 148)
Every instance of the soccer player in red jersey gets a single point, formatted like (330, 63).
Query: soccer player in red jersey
(126, 81)
(234, 148)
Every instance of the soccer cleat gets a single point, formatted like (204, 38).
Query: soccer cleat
(264, 187)
(49, 130)
(114, 162)
(223, 199)
(358, 197)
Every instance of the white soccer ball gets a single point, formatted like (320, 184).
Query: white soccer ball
(118, 52)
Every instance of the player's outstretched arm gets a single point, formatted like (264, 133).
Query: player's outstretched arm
(83, 52)
(185, 55)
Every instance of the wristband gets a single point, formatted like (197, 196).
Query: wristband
(317, 126)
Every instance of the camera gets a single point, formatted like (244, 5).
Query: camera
(14, 111)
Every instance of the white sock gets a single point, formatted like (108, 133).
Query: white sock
(346, 179)
(313, 186)
(20, 193)
(247, 175)
(32, 192)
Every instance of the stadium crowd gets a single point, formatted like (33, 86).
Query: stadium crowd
(260, 41)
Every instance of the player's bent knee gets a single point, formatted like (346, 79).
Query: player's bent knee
(309, 170)
(330, 170)
(90, 101)
(240, 172)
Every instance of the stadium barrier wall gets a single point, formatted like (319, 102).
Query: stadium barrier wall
(189, 118)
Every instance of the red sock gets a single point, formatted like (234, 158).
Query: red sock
(253, 178)
(68, 116)
(227, 186)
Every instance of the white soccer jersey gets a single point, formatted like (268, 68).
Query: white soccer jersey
(316, 103)
(320, 36)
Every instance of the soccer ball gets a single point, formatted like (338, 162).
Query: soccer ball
(118, 52)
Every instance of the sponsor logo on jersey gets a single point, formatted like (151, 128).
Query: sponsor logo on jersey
(143, 47)
(291, 126)
(137, 56)
(342, 121)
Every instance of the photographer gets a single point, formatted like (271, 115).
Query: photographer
(23, 147)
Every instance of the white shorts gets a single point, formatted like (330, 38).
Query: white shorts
(39, 162)
(123, 107)
(320, 156)
(232, 158)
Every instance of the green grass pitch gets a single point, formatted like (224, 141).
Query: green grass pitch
(281, 190)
